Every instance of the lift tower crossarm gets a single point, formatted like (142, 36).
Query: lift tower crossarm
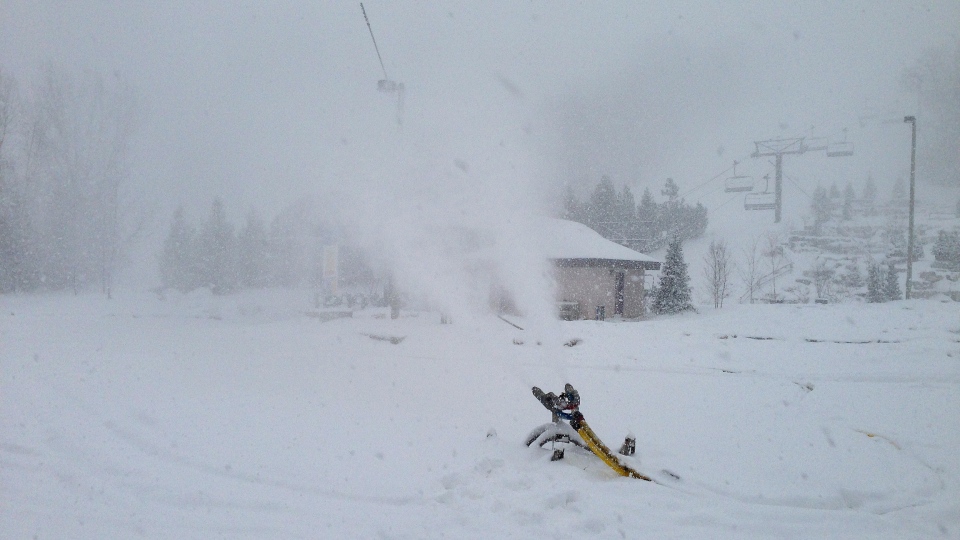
(779, 147)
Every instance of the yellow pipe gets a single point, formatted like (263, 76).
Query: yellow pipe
(597, 447)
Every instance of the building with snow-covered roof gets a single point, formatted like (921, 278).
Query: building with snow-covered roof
(595, 277)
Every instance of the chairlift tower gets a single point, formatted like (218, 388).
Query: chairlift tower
(778, 148)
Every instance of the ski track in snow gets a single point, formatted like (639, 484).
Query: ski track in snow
(140, 419)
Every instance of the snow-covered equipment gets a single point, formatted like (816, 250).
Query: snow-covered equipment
(760, 201)
(566, 406)
(736, 184)
(764, 200)
(840, 149)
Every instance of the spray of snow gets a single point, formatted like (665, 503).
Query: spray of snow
(453, 218)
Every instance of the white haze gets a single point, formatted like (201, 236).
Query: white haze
(505, 103)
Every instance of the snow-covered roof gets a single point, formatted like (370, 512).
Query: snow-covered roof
(569, 240)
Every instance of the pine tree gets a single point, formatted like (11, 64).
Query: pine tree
(627, 205)
(822, 208)
(252, 249)
(647, 221)
(852, 278)
(869, 195)
(848, 197)
(891, 289)
(918, 251)
(673, 293)
(669, 212)
(217, 255)
(572, 207)
(899, 193)
(875, 284)
(947, 247)
(603, 206)
(670, 190)
(693, 221)
(834, 191)
(178, 264)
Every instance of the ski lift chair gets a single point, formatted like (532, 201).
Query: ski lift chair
(840, 149)
(736, 184)
(760, 201)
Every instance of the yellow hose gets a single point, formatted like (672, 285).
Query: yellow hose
(597, 447)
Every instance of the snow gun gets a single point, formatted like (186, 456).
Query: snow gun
(566, 406)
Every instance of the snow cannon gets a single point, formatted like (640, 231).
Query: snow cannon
(566, 406)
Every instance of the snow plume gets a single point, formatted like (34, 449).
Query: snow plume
(455, 228)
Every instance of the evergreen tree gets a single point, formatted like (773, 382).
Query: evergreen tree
(629, 226)
(178, 264)
(644, 226)
(875, 284)
(693, 221)
(627, 205)
(852, 279)
(899, 193)
(217, 255)
(947, 247)
(869, 195)
(572, 207)
(252, 252)
(601, 213)
(848, 197)
(673, 292)
(834, 191)
(822, 208)
(670, 190)
(891, 289)
(647, 221)
(670, 211)
(290, 246)
(918, 250)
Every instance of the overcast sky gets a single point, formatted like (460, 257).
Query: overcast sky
(261, 102)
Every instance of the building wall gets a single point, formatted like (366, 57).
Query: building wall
(593, 287)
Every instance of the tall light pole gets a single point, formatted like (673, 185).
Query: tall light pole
(912, 120)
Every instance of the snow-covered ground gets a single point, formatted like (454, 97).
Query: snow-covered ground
(241, 417)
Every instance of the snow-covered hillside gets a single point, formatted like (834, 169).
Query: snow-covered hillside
(241, 417)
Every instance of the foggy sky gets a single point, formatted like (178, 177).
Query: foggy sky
(263, 102)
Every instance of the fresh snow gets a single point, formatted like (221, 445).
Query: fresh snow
(564, 239)
(243, 417)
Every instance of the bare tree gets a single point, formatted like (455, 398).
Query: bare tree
(749, 271)
(773, 251)
(717, 270)
(822, 278)
(75, 167)
(13, 252)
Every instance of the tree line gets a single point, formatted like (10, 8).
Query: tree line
(288, 252)
(66, 215)
(645, 226)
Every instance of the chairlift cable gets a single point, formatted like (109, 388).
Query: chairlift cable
(796, 185)
(723, 172)
(688, 192)
(728, 201)
(374, 41)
